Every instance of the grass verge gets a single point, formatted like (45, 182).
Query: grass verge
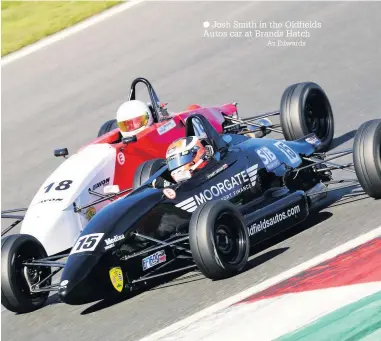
(25, 22)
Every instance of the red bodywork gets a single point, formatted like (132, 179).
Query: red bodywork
(150, 144)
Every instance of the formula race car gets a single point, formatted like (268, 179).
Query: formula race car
(251, 190)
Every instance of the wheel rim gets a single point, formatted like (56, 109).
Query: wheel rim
(229, 239)
(27, 252)
(317, 114)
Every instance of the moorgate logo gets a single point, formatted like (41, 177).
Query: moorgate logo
(225, 189)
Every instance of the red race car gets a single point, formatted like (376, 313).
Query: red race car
(153, 141)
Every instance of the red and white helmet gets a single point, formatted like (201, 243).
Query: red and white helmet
(185, 156)
(133, 117)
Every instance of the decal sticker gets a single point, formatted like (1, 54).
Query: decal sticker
(121, 158)
(154, 259)
(289, 152)
(48, 200)
(169, 193)
(64, 284)
(90, 212)
(166, 127)
(110, 242)
(116, 276)
(218, 170)
(275, 219)
(314, 140)
(101, 183)
(268, 158)
(87, 243)
(61, 186)
(223, 190)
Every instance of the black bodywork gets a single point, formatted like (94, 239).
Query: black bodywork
(147, 221)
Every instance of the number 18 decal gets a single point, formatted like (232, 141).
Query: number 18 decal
(286, 150)
(87, 243)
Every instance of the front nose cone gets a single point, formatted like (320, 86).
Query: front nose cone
(77, 284)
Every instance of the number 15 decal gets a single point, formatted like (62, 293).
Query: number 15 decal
(87, 243)
(286, 150)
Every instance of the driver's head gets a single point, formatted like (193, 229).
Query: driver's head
(186, 156)
(133, 117)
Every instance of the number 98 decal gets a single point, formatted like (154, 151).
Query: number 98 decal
(87, 243)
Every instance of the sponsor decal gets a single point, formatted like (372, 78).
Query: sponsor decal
(314, 140)
(154, 259)
(166, 127)
(293, 156)
(268, 158)
(277, 218)
(110, 242)
(90, 212)
(116, 276)
(169, 193)
(218, 170)
(64, 284)
(121, 158)
(101, 183)
(50, 200)
(223, 190)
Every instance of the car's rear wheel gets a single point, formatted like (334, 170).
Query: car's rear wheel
(16, 295)
(305, 109)
(367, 157)
(146, 170)
(218, 239)
(107, 127)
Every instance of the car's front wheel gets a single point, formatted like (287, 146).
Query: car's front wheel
(219, 240)
(16, 278)
(107, 127)
(305, 109)
(367, 157)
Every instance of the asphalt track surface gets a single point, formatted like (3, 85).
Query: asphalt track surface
(60, 95)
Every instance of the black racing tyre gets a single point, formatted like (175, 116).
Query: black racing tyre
(15, 292)
(219, 240)
(107, 127)
(305, 109)
(146, 170)
(367, 157)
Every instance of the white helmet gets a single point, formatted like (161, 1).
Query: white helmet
(133, 117)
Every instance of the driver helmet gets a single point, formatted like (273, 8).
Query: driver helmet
(132, 117)
(187, 155)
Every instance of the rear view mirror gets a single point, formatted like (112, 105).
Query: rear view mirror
(111, 189)
(61, 152)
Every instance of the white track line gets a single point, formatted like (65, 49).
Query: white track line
(266, 284)
(69, 31)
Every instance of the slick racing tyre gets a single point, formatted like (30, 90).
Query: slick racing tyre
(367, 157)
(15, 291)
(305, 109)
(146, 170)
(107, 127)
(219, 240)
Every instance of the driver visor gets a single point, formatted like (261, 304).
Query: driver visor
(178, 160)
(133, 123)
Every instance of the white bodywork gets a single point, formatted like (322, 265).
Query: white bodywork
(50, 216)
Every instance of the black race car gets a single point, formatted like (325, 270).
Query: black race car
(251, 190)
